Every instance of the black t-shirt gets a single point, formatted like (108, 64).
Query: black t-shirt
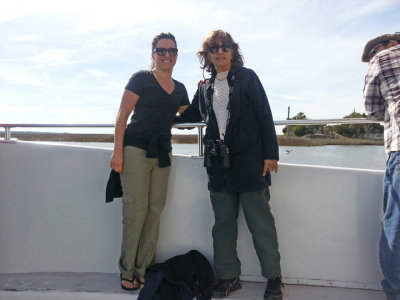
(155, 110)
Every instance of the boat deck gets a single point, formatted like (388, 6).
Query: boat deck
(99, 286)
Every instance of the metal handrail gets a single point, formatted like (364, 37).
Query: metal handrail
(199, 126)
(8, 127)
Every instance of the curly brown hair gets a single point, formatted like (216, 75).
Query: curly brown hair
(216, 37)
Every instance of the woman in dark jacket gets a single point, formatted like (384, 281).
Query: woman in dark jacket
(240, 150)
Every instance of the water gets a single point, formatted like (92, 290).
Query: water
(361, 157)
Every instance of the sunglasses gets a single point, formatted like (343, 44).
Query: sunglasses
(215, 48)
(163, 51)
(374, 50)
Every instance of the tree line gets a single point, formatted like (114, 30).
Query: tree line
(346, 130)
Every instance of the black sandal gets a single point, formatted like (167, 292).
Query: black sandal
(130, 281)
(141, 283)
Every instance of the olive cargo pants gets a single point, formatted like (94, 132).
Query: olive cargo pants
(144, 186)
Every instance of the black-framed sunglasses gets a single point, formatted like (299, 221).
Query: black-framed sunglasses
(374, 50)
(215, 48)
(163, 51)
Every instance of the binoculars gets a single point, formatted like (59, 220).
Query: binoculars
(216, 148)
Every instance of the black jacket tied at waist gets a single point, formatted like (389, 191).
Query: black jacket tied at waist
(157, 146)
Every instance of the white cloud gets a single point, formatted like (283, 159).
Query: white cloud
(76, 56)
(97, 73)
(367, 8)
(19, 77)
(25, 38)
(54, 56)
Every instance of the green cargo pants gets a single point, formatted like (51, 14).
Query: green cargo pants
(144, 186)
(261, 223)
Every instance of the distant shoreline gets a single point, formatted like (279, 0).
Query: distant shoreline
(185, 139)
(87, 137)
(321, 141)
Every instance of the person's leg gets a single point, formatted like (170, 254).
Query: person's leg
(261, 223)
(390, 239)
(157, 196)
(226, 262)
(135, 180)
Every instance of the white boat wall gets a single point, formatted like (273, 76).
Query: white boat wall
(53, 217)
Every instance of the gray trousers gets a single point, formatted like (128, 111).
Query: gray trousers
(261, 223)
(144, 186)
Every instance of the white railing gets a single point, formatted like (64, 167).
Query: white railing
(199, 126)
(53, 218)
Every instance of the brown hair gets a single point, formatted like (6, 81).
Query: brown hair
(161, 36)
(215, 37)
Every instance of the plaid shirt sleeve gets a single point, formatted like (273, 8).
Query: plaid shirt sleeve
(373, 100)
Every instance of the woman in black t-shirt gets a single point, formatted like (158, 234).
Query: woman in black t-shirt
(142, 153)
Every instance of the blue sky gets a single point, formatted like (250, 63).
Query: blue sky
(69, 61)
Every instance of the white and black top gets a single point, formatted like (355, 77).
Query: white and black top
(220, 101)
